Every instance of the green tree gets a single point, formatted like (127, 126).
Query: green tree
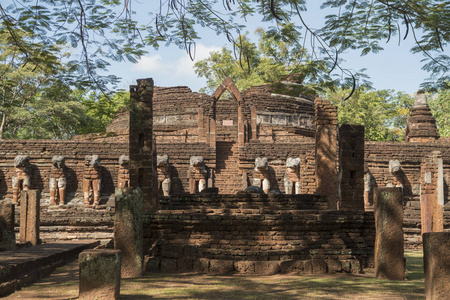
(383, 113)
(274, 57)
(103, 109)
(440, 108)
(36, 97)
(55, 112)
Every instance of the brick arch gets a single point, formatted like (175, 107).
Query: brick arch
(228, 85)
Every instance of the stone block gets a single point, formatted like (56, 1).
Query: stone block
(389, 252)
(152, 264)
(319, 266)
(172, 251)
(334, 266)
(219, 266)
(267, 267)
(168, 265)
(7, 235)
(29, 216)
(355, 266)
(436, 265)
(128, 230)
(99, 274)
(201, 265)
(245, 267)
(295, 267)
(185, 265)
(346, 267)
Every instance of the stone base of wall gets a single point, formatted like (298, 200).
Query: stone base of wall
(218, 266)
(236, 230)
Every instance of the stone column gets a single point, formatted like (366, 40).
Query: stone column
(389, 252)
(436, 265)
(142, 160)
(351, 167)
(29, 216)
(7, 235)
(212, 133)
(432, 193)
(326, 151)
(128, 230)
(201, 126)
(254, 124)
(241, 129)
(99, 274)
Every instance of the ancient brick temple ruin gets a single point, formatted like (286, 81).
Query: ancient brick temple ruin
(260, 181)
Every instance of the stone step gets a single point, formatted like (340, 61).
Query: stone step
(27, 265)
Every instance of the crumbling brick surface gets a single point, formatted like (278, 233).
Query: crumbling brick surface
(99, 274)
(410, 155)
(389, 249)
(436, 265)
(326, 150)
(351, 167)
(7, 240)
(257, 228)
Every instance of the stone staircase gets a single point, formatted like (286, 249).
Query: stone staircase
(27, 265)
(227, 168)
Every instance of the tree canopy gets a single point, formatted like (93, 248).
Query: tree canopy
(273, 58)
(383, 113)
(51, 51)
(104, 30)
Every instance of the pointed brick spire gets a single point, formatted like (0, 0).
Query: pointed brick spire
(421, 125)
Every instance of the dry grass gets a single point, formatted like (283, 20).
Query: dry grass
(63, 284)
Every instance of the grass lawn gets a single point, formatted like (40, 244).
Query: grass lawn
(63, 284)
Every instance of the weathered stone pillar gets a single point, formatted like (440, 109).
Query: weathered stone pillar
(142, 160)
(7, 235)
(201, 126)
(253, 124)
(436, 265)
(212, 133)
(99, 274)
(241, 127)
(389, 252)
(326, 151)
(29, 216)
(351, 167)
(128, 230)
(432, 193)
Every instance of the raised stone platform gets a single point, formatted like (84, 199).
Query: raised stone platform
(26, 265)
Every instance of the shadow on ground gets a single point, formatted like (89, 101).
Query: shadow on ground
(63, 284)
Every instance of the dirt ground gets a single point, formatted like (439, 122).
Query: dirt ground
(63, 284)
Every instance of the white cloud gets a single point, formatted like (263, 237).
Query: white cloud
(152, 63)
(173, 67)
(185, 66)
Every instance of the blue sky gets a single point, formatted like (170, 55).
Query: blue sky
(394, 68)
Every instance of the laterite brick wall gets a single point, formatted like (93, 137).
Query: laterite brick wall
(249, 227)
(410, 155)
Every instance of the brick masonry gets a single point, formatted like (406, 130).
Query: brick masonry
(254, 228)
(278, 122)
(410, 155)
